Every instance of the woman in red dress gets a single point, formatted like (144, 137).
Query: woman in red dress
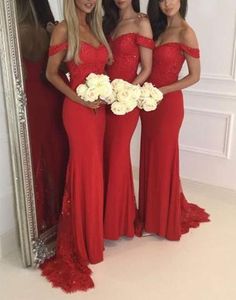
(44, 112)
(131, 42)
(163, 209)
(79, 40)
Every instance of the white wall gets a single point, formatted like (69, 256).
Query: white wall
(208, 137)
(7, 212)
(57, 8)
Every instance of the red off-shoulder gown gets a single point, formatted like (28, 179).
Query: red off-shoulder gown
(80, 230)
(120, 207)
(44, 110)
(163, 208)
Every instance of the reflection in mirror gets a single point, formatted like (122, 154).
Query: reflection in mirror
(48, 141)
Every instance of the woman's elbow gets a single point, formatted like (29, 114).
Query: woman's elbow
(195, 78)
(49, 75)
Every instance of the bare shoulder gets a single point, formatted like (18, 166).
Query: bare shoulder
(61, 28)
(59, 34)
(142, 20)
(144, 26)
(188, 36)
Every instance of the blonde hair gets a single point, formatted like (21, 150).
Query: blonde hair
(94, 20)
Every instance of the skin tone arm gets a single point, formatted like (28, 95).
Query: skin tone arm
(59, 36)
(187, 37)
(145, 53)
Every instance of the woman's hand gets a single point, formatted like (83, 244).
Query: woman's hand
(163, 90)
(93, 105)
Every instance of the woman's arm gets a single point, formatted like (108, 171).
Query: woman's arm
(59, 36)
(145, 53)
(188, 38)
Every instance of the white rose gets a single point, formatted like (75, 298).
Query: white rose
(136, 92)
(149, 104)
(92, 80)
(81, 90)
(135, 87)
(101, 84)
(105, 90)
(124, 95)
(140, 104)
(130, 105)
(111, 98)
(118, 84)
(145, 93)
(91, 95)
(104, 78)
(118, 108)
(91, 76)
(154, 92)
(147, 85)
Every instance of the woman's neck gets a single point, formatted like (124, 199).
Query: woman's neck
(174, 21)
(82, 18)
(127, 13)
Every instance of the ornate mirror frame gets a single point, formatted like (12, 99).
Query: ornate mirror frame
(34, 248)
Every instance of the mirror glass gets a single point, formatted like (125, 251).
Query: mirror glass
(48, 141)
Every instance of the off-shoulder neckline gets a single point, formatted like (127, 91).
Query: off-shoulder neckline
(122, 35)
(91, 45)
(127, 34)
(174, 43)
(81, 42)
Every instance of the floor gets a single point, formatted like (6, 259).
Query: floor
(201, 266)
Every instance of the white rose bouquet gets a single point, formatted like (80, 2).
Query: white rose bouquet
(125, 96)
(150, 97)
(96, 86)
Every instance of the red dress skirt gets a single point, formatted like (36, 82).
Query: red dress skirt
(44, 111)
(163, 208)
(80, 229)
(120, 206)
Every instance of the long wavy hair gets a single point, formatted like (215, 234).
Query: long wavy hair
(94, 20)
(158, 19)
(34, 12)
(111, 14)
(26, 12)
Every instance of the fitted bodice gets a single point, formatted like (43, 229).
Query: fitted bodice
(125, 49)
(168, 60)
(92, 60)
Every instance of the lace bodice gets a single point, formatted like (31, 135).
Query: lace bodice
(93, 60)
(168, 59)
(125, 49)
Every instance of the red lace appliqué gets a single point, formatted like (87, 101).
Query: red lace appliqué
(65, 270)
(144, 41)
(194, 52)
